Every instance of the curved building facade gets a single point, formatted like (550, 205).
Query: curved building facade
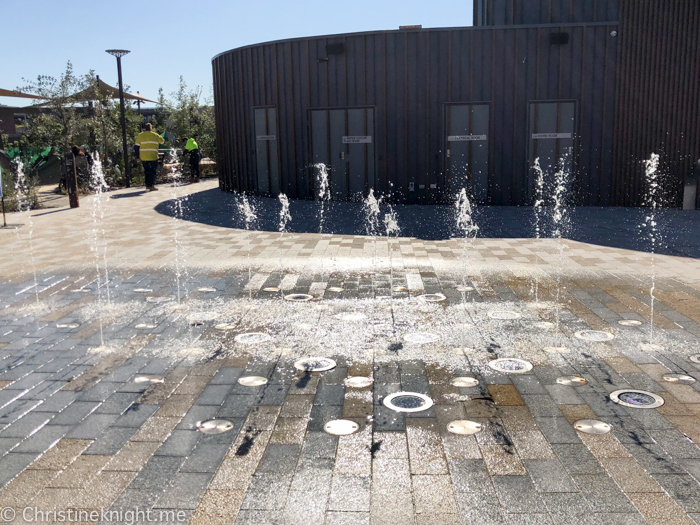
(417, 114)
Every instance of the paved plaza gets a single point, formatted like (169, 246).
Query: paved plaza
(122, 329)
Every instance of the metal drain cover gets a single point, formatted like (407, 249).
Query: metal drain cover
(504, 315)
(68, 325)
(214, 426)
(629, 322)
(695, 359)
(358, 381)
(464, 427)
(160, 299)
(465, 382)
(149, 379)
(511, 365)
(571, 381)
(679, 378)
(271, 289)
(225, 326)
(143, 290)
(594, 335)
(252, 381)
(432, 297)
(592, 426)
(336, 289)
(350, 316)
(206, 289)
(408, 402)
(636, 399)
(341, 427)
(556, 349)
(315, 364)
(398, 289)
(298, 297)
(252, 338)
(145, 326)
(463, 288)
(420, 338)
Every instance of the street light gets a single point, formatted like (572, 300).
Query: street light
(119, 53)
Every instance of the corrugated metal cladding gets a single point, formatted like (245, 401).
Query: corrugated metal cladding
(658, 95)
(408, 78)
(519, 12)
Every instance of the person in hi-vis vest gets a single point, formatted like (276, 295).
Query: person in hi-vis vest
(148, 142)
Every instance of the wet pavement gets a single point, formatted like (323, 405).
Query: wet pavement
(104, 386)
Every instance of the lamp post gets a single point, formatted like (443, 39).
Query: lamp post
(119, 53)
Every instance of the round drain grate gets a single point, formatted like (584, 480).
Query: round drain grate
(511, 365)
(683, 379)
(298, 297)
(160, 299)
(464, 427)
(202, 317)
(594, 335)
(695, 359)
(315, 364)
(556, 349)
(271, 289)
(225, 326)
(336, 289)
(358, 381)
(145, 326)
(463, 288)
(252, 338)
(420, 338)
(465, 382)
(149, 379)
(143, 290)
(571, 381)
(592, 426)
(504, 315)
(408, 402)
(341, 427)
(68, 325)
(629, 322)
(545, 325)
(432, 297)
(398, 289)
(252, 381)
(350, 316)
(214, 426)
(637, 399)
(206, 289)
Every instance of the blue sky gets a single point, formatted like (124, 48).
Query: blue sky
(172, 38)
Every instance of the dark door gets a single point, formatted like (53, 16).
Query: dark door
(266, 151)
(552, 134)
(342, 139)
(467, 134)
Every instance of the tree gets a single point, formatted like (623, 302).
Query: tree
(188, 116)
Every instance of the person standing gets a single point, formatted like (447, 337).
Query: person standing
(148, 142)
(192, 148)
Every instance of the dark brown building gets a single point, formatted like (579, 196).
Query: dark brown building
(593, 85)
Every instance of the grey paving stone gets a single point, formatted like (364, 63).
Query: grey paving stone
(469, 475)
(577, 459)
(350, 494)
(653, 458)
(564, 395)
(267, 492)
(140, 498)
(7, 396)
(260, 517)
(99, 392)
(518, 495)
(7, 444)
(136, 415)
(12, 464)
(313, 475)
(44, 439)
(15, 410)
(226, 376)
(29, 381)
(329, 395)
(619, 519)
(74, 413)
(179, 443)
(117, 403)
(236, 406)
(557, 430)
(57, 402)
(157, 473)
(549, 475)
(321, 414)
(206, 458)
(279, 459)
(565, 507)
(684, 489)
(214, 395)
(45, 390)
(197, 414)
(541, 405)
(185, 491)
(386, 420)
(92, 426)
(481, 507)
(675, 444)
(111, 441)
(274, 394)
(603, 494)
(26, 425)
(319, 444)
(528, 384)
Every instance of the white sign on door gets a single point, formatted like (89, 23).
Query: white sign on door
(266, 137)
(551, 135)
(357, 139)
(461, 138)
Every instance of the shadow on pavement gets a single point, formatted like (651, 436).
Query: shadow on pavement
(678, 231)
